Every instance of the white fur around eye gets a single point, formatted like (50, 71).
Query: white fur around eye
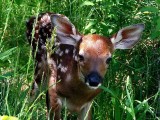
(81, 56)
(81, 52)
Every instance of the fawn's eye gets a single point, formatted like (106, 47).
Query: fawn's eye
(81, 58)
(108, 60)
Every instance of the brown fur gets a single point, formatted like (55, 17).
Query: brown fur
(63, 73)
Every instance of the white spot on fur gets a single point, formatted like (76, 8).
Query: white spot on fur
(59, 66)
(64, 69)
(60, 60)
(61, 53)
(59, 77)
(66, 51)
(57, 51)
(68, 78)
(74, 51)
(36, 31)
(76, 58)
(45, 19)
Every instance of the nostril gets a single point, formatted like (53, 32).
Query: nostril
(93, 79)
(93, 83)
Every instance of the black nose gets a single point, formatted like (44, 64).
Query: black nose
(93, 79)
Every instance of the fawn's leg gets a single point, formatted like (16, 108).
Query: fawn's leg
(54, 105)
(53, 102)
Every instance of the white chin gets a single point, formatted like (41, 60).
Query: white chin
(93, 87)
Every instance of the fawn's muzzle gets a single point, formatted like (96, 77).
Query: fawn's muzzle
(94, 79)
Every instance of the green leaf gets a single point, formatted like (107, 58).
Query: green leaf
(87, 3)
(109, 91)
(8, 118)
(129, 110)
(141, 106)
(158, 1)
(90, 24)
(93, 31)
(155, 34)
(7, 53)
(118, 111)
(129, 96)
(158, 24)
(4, 76)
(150, 9)
(18, 2)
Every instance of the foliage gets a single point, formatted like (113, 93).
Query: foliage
(134, 97)
(8, 118)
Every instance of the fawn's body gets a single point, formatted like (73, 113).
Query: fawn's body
(76, 69)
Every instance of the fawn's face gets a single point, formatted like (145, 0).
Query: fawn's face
(94, 57)
(95, 51)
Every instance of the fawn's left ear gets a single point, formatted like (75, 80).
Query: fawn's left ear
(127, 37)
(65, 30)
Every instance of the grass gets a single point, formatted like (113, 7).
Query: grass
(130, 91)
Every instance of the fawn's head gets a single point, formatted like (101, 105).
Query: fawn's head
(94, 52)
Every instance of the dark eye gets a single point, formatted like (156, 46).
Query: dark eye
(108, 60)
(81, 58)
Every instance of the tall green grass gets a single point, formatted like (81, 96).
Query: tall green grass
(130, 90)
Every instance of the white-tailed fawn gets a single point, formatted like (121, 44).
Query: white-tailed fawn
(76, 68)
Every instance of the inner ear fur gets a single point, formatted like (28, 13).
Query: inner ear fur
(127, 37)
(65, 30)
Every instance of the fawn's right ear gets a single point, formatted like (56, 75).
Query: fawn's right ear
(65, 30)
